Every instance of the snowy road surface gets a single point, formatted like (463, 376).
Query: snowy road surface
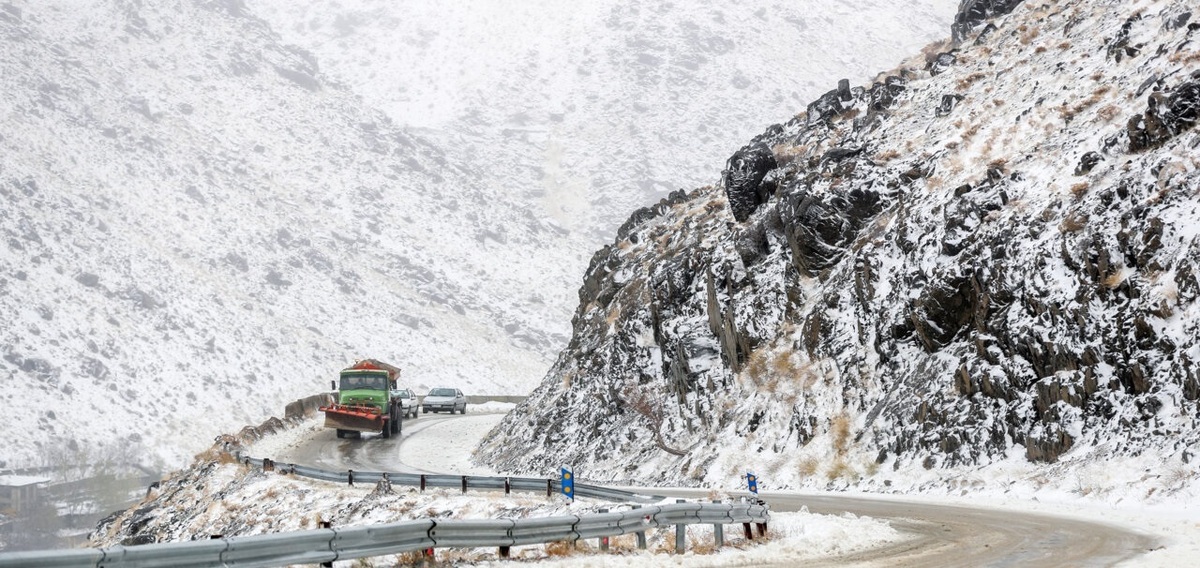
(939, 534)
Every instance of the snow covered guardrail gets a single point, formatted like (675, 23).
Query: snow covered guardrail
(463, 482)
(332, 544)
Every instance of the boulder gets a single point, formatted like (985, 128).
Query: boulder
(744, 173)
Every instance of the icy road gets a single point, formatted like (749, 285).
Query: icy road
(939, 534)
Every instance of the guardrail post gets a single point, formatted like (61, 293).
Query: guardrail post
(464, 480)
(507, 485)
(504, 551)
(422, 482)
(641, 535)
(762, 529)
(749, 533)
(549, 488)
(325, 525)
(718, 531)
(268, 465)
(350, 477)
(604, 539)
(680, 534)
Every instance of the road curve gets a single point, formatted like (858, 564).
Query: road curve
(938, 534)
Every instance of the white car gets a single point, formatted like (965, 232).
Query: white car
(408, 402)
(444, 399)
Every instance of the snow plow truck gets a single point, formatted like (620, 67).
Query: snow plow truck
(364, 402)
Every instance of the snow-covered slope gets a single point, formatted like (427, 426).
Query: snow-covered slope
(198, 227)
(589, 110)
(200, 223)
(987, 255)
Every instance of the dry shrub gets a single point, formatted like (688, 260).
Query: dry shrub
(216, 455)
(807, 467)
(613, 315)
(1064, 45)
(561, 549)
(756, 365)
(1074, 222)
(969, 80)
(839, 469)
(1028, 34)
(997, 102)
(839, 428)
(1113, 280)
(1108, 112)
(1079, 190)
(786, 154)
(887, 156)
(1040, 49)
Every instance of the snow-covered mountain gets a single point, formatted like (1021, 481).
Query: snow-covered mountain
(589, 110)
(198, 228)
(203, 221)
(987, 256)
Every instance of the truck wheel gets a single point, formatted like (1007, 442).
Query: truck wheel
(387, 429)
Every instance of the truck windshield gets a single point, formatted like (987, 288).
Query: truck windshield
(356, 382)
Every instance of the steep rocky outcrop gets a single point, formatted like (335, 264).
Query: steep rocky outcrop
(910, 283)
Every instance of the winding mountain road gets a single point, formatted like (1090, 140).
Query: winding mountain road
(938, 534)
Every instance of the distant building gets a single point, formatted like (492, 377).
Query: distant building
(19, 492)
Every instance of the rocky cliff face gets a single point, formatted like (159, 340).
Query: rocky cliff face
(989, 254)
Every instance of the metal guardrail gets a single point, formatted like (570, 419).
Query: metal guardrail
(464, 482)
(331, 544)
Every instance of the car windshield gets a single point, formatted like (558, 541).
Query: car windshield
(355, 382)
(441, 392)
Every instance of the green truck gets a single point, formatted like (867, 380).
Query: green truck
(364, 402)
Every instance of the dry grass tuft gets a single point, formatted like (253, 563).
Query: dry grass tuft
(561, 549)
(1028, 34)
(839, 469)
(1115, 279)
(1108, 112)
(807, 467)
(1079, 190)
(1074, 222)
(966, 82)
(839, 428)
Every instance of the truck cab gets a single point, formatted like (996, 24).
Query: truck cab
(364, 400)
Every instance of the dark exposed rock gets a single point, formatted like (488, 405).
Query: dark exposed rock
(817, 227)
(942, 62)
(744, 173)
(1119, 47)
(883, 94)
(1166, 116)
(973, 13)
(825, 107)
(947, 105)
(1087, 162)
(941, 311)
(1173, 22)
(839, 154)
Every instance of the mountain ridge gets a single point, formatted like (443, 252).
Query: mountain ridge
(980, 260)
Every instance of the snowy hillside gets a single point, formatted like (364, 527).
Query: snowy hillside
(199, 228)
(987, 256)
(203, 221)
(589, 110)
